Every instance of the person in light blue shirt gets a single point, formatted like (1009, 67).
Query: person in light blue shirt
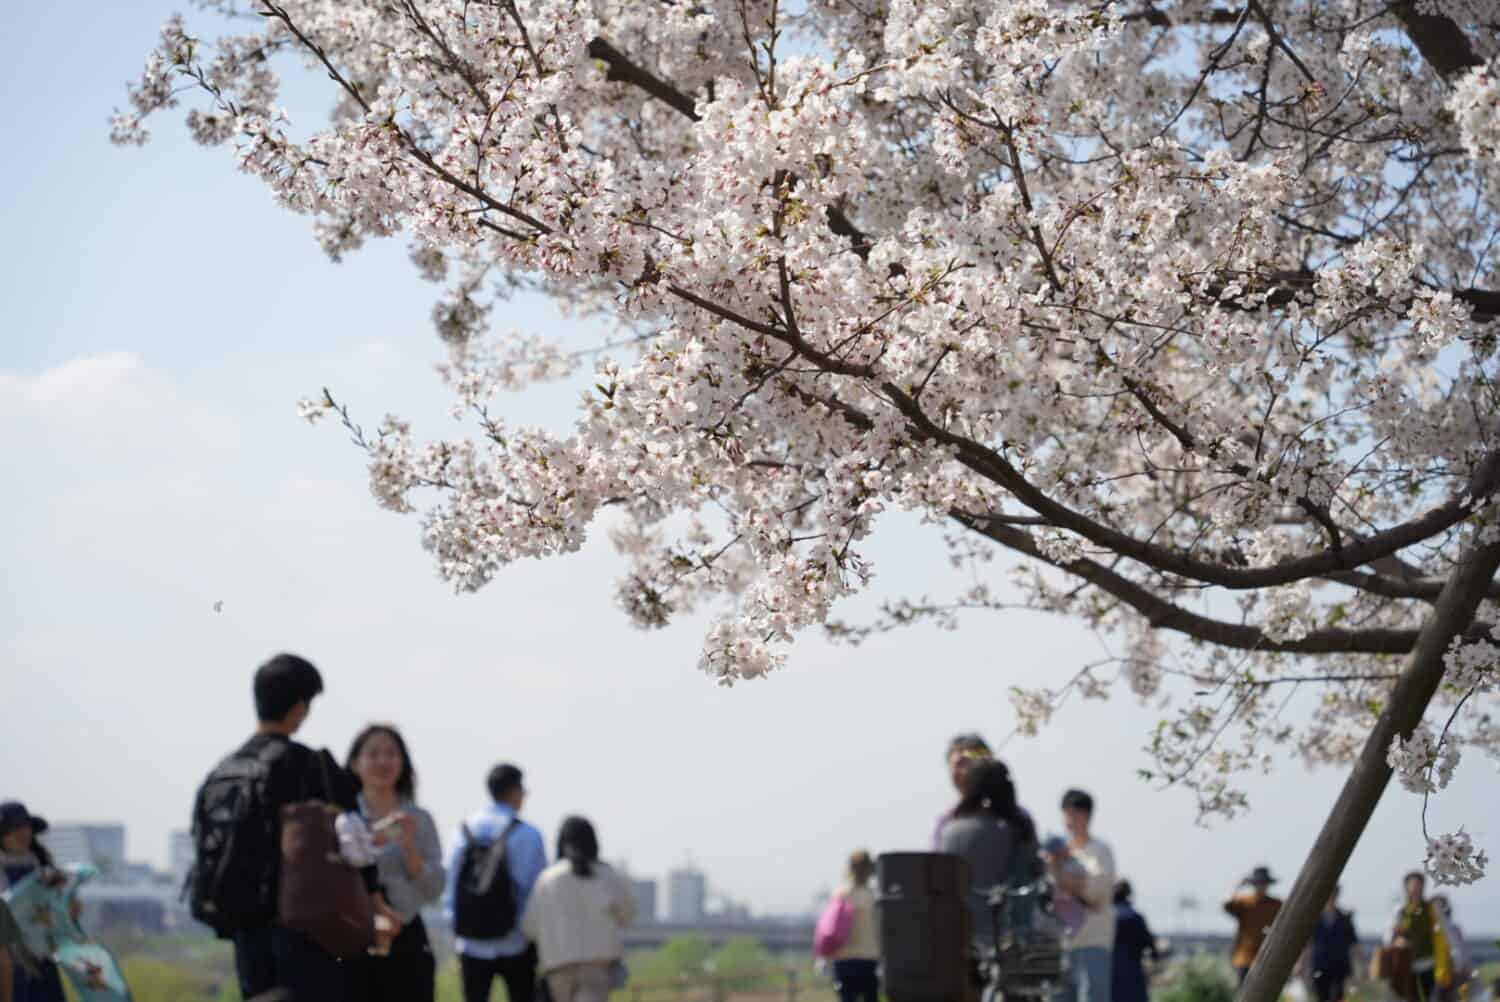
(511, 958)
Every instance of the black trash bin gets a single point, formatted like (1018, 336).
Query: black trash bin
(924, 927)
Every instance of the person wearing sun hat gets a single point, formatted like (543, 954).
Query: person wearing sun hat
(21, 856)
(1254, 909)
(20, 853)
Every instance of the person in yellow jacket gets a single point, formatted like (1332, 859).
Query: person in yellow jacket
(1419, 927)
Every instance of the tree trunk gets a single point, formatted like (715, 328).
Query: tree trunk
(1450, 617)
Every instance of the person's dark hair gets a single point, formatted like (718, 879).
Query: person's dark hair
(861, 867)
(1077, 800)
(406, 783)
(979, 782)
(283, 682)
(504, 780)
(577, 843)
(42, 853)
(967, 742)
(992, 792)
(1416, 875)
(1123, 891)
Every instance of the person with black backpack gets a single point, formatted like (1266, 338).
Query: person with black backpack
(494, 863)
(235, 881)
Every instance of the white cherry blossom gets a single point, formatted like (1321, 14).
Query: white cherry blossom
(1188, 307)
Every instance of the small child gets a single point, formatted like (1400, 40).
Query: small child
(1070, 911)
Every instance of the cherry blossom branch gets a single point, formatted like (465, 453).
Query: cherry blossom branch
(412, 148)
(463, 70)
(1440, 40)
(1427, 793)
(1484, 481)
(1280, 41)
(621, 69)
(1425, 588)
(1161, 614)
(1284, 285)
(1160, 19)
(1280, 287)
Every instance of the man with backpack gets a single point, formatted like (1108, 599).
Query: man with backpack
(494, 863)
(235, 881)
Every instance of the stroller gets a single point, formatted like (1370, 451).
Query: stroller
(928, 950)
(1025, 961)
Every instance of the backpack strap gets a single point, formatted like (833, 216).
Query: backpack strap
(500, 842)
(270, 752)
(497, 855)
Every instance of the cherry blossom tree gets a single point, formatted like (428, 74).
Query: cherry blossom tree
(1187, 305)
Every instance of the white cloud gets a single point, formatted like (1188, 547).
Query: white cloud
(109, 411)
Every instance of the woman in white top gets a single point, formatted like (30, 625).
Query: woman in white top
(574, 916)
(856, 961)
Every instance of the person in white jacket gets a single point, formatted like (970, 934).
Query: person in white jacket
(575, 915)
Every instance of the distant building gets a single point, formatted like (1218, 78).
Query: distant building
(731, 913)
(145, 908)
(180, 853)
(644, 893)
(687, 896)
(100, 846)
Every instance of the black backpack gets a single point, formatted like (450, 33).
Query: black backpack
(484, 898)
(232, 883)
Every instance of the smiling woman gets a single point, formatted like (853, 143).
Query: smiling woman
(410, 866)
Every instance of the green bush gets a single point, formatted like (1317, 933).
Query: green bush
(747, 965)
(1199, 978)
(679, 957)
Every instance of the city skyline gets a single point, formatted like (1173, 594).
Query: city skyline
(689, 891)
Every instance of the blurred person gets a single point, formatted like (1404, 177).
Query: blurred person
(497, 828)
(1331, 953)
(1090, 948)
(409, 868)
(23, 855)
(1461, 960)
(1419, 928)
(964, 752)
(856, 961)
(1133, 944)
(1253, 909)
(996, 838)
(11, 956)
(574, 916)
(235, 881)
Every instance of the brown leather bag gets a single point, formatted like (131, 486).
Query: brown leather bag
(1392, 964)
(321, 895)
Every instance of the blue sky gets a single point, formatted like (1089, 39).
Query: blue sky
(161, 318)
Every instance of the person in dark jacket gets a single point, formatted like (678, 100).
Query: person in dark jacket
(1333, 941)
(269, 957)
(997, 839)
(1133, 943)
